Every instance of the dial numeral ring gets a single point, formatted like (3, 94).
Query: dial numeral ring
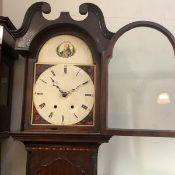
(51, 87)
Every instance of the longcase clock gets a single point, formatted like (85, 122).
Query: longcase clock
(64, 87)
(65, 90)
(64, 118)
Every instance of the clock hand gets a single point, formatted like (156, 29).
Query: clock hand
(52, 80)
(55, 84)
(72, 90)
(81, 84)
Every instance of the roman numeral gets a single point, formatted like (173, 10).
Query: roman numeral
(62, 119)
(43, 81)
(42, 105)
(65, 69)
(88, 95)
(77, 73)
(75, 115)
(85, 82)
(84, 107)
(38, 93)
(51, 115)
(53, 73)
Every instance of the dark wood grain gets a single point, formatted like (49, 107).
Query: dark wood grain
(52, 153)
(64, 159)
(30, 33)
(7, 57)
(53, 137)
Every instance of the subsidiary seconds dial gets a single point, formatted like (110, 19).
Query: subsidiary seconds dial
(64, 94)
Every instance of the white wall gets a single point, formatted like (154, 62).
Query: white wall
(0, 7)
(123, 155)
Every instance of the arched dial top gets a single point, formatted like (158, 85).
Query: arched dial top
(64, 95)
(65, 49)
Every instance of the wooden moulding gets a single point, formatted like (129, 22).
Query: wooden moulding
(3, 135)
(50, 137)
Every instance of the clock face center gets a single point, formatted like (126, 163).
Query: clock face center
(64, 94)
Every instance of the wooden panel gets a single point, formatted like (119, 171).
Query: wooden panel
(56, 167)
(49, 160)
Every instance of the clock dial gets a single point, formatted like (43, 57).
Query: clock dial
(64, 94)
(65, 49)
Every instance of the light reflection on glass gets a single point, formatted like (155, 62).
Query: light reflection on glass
(163, 99)
(1, 34)
(141, 82)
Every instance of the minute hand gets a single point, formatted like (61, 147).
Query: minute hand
(72, 90)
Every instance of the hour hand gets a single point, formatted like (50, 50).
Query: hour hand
(52, 80)
(55, 84)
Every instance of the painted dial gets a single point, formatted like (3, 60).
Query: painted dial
(63, 94)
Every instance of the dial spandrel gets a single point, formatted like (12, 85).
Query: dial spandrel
(64, 94)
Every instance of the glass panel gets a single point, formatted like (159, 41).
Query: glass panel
(4, 81)
(142, 82)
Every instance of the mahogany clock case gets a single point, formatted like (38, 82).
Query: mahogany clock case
(92, 30)
(30, 48)
(30, 75)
